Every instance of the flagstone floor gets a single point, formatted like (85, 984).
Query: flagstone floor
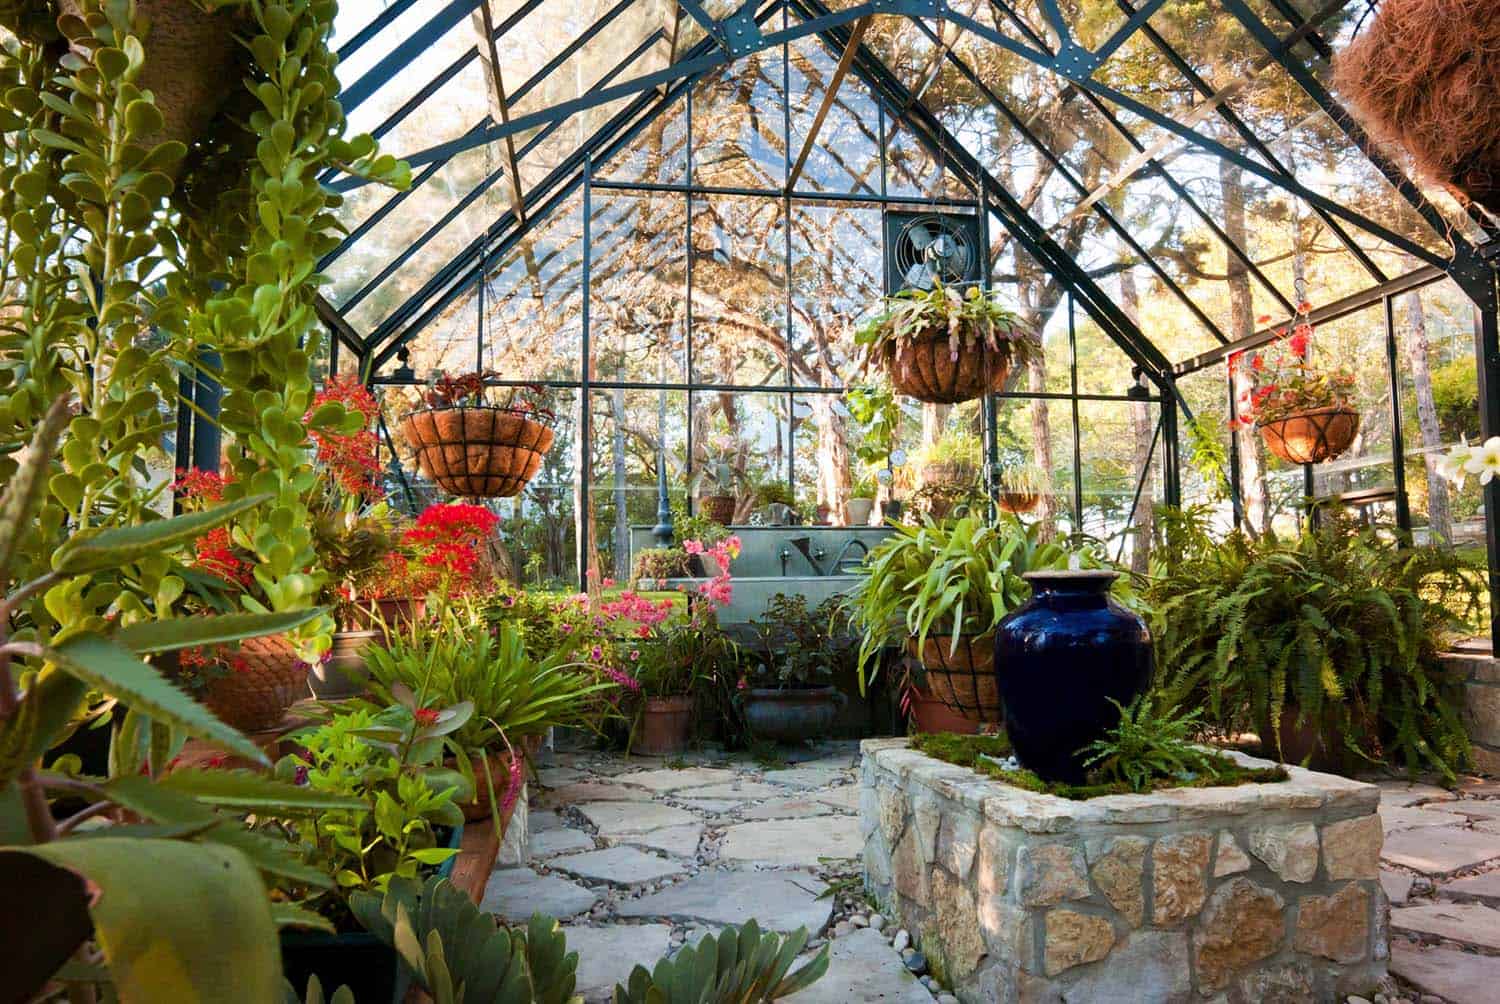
(637, 856)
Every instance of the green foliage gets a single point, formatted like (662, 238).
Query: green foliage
(682, 653)
(970, 319)
(1148, 744)
(875, 411)
(687, 527)
(947, 580)
(801, 647)
(954, 446)
(1336, 627)
(740, 966)
(342, 995)
(964, 750)
(1455, 392)
(1210, 458)
(661, 563)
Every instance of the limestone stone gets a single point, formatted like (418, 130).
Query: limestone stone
(877, 862)
(738, 791)
(792, 841)
(1351, 848)
(618, 866)
(892, 812)
(804, 776)
(1394, 818)
(957, 842)
(1288, 984)
(778, 900)
(1289, 851)
(606, 955)
(546, 843)
(992, 863)
(1051, 873)
(1117, 865)
(1468, 923)
(1447, 973)
(714, 806)
(1179, 865)
(787, 808)
(1404, 793)
(675, 780)
(1474, 808)
(845, 797)
(1073, 938)
(1396, 885)
(909, 869)
(862, 967)
(1482, 712)
(1336, 927)
(926, 816)
(556, 777)
(1485, 888)
(1229, 858)
(1007, 930)
(1146, 966)
(954, 936)
(1440, 851)
(544, 819)
(678, 841)
(1241, 924)
(516, 893)
(593, 791)
(618, 818)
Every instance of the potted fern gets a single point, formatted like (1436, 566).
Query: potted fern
(943, 346)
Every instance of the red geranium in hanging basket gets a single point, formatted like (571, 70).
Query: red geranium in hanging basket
(1305, 414)
(473, 447)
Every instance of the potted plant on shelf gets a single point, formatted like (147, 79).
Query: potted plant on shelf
(939, 590)
(655, 565)
(1422, 77)
(861, 500)
(717, 480)
(943, 346)
(1304, 414)
(1022, 486)
(475, 441)
(787, 691)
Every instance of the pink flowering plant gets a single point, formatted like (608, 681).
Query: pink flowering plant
(678, 647)
(1283, 381)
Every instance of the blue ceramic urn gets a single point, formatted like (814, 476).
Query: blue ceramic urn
(1059, 659)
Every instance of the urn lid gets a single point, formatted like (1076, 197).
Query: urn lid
(1082, 580)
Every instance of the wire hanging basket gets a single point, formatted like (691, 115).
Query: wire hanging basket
(925, 368)
(1311, 437)
(962, 678)
(477, 451)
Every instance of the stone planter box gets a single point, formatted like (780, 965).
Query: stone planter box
(1232, 894)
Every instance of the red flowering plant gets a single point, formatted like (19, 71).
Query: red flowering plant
(444, 552)
(1283, 380)
(479, 390)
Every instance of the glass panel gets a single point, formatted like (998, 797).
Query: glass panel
(846, 155)
(1038, 434)
(739, 128)
(751, 433)
(836, 277)
(629, 428)
(658, 155)
(638, 275)
(739, 295)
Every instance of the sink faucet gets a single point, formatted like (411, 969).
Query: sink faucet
(804, 545)
(838, 560)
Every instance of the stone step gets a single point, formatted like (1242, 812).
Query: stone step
(1458, 977)
(1466, 923)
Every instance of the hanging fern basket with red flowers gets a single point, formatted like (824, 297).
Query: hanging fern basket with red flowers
(474, 448)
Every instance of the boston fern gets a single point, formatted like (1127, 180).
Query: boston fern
(1150, 743)
(1335, 627)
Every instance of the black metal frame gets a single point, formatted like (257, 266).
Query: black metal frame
(743, 32)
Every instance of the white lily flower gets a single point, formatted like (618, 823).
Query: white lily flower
(1450, 465)
(1485, 460)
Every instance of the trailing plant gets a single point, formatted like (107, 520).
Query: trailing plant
(1150, 742)
(874, 409)
(946, 581)
(1334, 627)
(1284, 381)
(956, 447)
(971, 319)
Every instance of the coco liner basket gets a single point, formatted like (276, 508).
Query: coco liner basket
(963, 679)
(924, 368)
(477, 451)
(1311, 437)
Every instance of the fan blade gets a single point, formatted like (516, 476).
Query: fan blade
(918, 276)
(920, 238)
(941, 246)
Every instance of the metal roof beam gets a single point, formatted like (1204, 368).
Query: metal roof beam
(830, 94)
(489, 59)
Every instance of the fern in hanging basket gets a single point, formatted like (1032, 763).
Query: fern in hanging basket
(943, 346)
(475, 446)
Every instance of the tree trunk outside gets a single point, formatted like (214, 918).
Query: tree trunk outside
(1242, 325)
(622, 517)
(1144, 430)
(1041, 439)
(1439, 516)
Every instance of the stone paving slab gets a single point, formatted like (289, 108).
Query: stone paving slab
(779, 901)
(1485, 888)
(1474, 808)
(793, 841)
(594, 791)
(1394, 819)
(516, 893)
(548, 843)
(806, 776)
(1459, 977)
(538, 820)
(681, 841)
(862, 969)
(556, 777)
(1439, 851)
(617, 818)
(1406, 793)
(621, 866)
(1397, 886)
(672, 780)
(845, 797)
(715, 806)
(1468, 923)
(1480, 787)
(740, 790)
(606, 955)
(788, 808)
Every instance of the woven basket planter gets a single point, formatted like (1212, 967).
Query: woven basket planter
(192, 64)
(477, 452)
(963, 679)
(1018, 502)
(719, 508)
(924, 368)
(254, 693)
(949, 474)
(1311, 437)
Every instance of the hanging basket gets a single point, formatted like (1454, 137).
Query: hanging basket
(258, 683)
(949, 474)
(719, 508)
(1311, 437)
(1016, 503)
(924, 368)
(477, 452)
(963, 679)
(192, 62)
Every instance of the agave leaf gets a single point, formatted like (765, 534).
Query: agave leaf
(243, 789)
(116, 546)
(191, 632)
(19, 501)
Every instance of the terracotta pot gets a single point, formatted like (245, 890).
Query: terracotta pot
(858, 511)
(963, 680)
(719, 508)
(949, 473)
(1311, 437)
(928, 714)
(343, 673)
(1019, 502)
(480, 808)
(925, 369)
(791, 715)
(192, 63)
(258, 684)
(666, 724)
(477, 452)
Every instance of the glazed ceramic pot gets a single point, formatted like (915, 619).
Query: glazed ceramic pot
(343, 673)
(791, 715)
(1059, 660)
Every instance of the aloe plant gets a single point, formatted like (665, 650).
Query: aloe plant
(743, 965)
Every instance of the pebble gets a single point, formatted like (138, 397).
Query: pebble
(842, 928)
(1354, 999)
(947, 999)
(929, 983)
(901, 940)
(915, 962)
(859, 920)
(877, 922)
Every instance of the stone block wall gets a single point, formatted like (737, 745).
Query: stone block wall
(1476, 665)
(1231, 894)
